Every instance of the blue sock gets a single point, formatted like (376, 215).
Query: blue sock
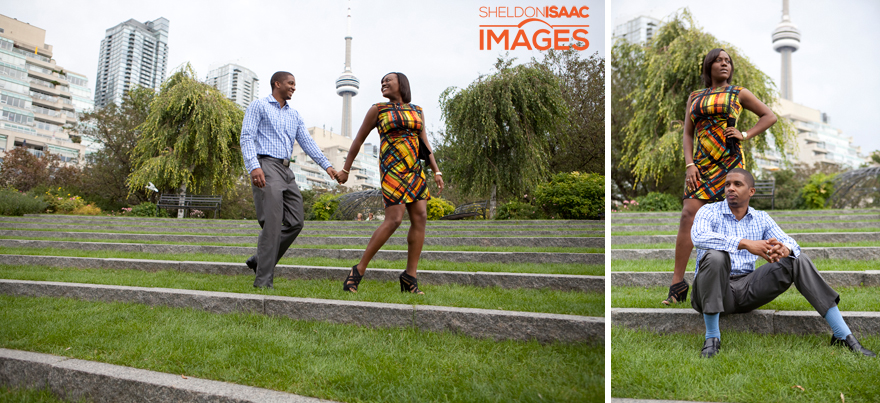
(838, 326)
(712, 329)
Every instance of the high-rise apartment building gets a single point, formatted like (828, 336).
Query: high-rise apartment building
(638, 30)
(235, 82)
(132, 53)
(37, 96)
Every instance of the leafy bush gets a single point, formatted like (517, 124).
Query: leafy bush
(61, 201)
(13, 202)
(573, 196)
(325, 206)
(817, 190)
(238, 201)
(656, 201)
(438, 207)
(88, 209)
(517, 210)
(146, 209)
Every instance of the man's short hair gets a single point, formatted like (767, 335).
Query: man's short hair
(278, 77)
(749, 178)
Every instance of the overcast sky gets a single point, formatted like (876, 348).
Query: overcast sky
(836, 68)
(435, 43)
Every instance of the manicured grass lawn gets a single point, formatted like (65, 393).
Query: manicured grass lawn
(851, 299)
(19, 395)
(803, 231)
(674, 221)
(255, 232)
(542, 268)
(338, 362)
(528, 300)
(667, 265)
(473, 248)
(749, 368)
(671, 245)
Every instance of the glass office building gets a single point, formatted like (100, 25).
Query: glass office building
(132, 53)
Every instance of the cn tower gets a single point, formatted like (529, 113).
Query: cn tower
(786, 40)
(347, 84)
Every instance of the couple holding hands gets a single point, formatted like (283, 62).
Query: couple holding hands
(269, 130)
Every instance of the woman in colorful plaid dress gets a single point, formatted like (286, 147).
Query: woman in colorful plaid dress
(404, 187)
(710, 118)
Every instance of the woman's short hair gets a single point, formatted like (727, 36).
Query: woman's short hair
(706, 74)
(403, 84)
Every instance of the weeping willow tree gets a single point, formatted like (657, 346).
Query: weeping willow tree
(668, 70)
(498, 130)
(190, 139)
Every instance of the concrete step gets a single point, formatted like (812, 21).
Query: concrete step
(788, 219)
(842, 237)
(773, 213)
(352, 254)
(502, 224)
(481, 323)
(846, 253)
(562, 282)
(673, 320)
(307, 231)
(75, 380)
(867, 278)
(785, 226)
(571, 242)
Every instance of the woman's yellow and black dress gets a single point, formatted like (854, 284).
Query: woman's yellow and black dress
(403, 180)
(710, 110)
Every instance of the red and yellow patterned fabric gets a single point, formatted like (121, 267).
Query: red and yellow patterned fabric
(403, 180)
(710, 109)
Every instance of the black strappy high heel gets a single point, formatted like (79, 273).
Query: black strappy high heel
(409, 284)
(352, 281)
(678, 292)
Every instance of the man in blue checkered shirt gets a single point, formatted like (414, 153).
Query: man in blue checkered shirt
(729, 237)
(268, 132)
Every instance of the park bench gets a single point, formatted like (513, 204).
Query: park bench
(480, 208)
(766, 189)
(190, 202)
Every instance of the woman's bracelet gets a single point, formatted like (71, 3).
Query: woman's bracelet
(689, 165)
(344, 170)
(438, 173)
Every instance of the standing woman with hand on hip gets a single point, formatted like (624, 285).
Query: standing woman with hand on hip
(710, 117)
(404, 187)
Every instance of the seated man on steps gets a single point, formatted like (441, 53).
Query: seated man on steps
(729, 236)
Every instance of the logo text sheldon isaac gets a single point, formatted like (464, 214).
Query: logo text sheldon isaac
(539, 28)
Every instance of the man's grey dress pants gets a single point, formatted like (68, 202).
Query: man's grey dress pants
(715, 290)
(280, 213)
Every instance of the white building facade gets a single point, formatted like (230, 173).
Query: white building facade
(364, 169)
(235, 82)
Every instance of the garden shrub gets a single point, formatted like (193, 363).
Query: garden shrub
(146, 209)
(517, 210)
(88, 209)
(13, 202)
(61, 201)
(817, 190)
(438, 207)
(325, 206)
(573, 196)
(656, 201)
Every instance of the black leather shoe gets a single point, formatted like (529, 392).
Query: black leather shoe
(252, 263)
(711, 347)
(852, 344)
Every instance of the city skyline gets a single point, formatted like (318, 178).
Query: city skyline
(436, 45)
(830, 70)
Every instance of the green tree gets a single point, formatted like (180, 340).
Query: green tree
(115, 129)
(498, 130)
(579, 144)
(668, 71)
(23, 171)
(190, 139)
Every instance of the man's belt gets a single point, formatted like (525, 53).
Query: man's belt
(283, 161)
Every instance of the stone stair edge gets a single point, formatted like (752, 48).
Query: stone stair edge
(562, 282)
(74, 379)
(331, 222)
(480, 323)
(837, 252)
(835, 278)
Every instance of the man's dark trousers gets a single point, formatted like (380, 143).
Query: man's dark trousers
(280, 213)
(716, 291)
